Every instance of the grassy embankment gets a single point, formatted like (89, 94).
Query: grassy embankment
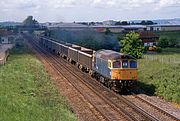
(161, 75)
(26, 92)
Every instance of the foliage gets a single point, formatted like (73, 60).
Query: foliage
(162, 77)
(122, 23)
(26, 92)
(159, 50)
(147, 22)
(173, 37)
(108, 31)
(89, 42)
(173, 42)
(132, 45)
(87, 38)
(30, 22)
(165, 42)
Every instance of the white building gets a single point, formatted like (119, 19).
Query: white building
(163, 27)
(4, 40)
(109, 22)
(6, 37)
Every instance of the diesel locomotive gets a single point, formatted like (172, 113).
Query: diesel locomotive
(115, 70)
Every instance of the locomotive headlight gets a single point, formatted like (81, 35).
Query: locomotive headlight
(125, 64)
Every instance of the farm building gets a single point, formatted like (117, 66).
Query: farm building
(119, 29)
(134, 28)
(6, 37)
(148, 38)
(163, 27)
(102, 28)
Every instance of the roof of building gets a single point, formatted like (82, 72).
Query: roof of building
(164, 25)
(67, 25)
(134, 26)
(4, 32)
(147, 34)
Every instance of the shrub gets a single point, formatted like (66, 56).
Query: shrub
(163, 42)
(159, 50)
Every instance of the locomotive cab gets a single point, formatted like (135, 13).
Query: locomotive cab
(123, 69)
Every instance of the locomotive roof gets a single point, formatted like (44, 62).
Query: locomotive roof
(112, 55)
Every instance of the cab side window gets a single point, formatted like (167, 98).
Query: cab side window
(116, 64)
(125, 64)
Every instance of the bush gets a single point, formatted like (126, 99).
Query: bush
(159, 50)
(173, 42)
(166, 41)
(163, 42)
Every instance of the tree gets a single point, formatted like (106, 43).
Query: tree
(132, 45)
(30, 22)
(163, 42)
(147, 22)
(143, 22)
(92, 23)
(124, 23)
(173, 42)
(118, 23)
(108, 31)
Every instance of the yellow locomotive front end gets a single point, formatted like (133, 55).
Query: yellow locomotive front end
(123, 70)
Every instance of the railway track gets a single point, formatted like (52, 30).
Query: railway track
(117, 107)
(157, 109)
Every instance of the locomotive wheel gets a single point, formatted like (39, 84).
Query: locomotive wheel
(90, 72)
(80, 67)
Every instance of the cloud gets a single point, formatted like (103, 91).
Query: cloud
(130, 4)
(61, 3)
(87, 9)
(166, 3)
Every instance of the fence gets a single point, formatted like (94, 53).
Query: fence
(163, 59)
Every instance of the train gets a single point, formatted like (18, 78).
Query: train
(115, 70)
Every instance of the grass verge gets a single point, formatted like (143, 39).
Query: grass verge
(161, 79)
(26, 92)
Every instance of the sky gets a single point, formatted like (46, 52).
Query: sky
(88, 10)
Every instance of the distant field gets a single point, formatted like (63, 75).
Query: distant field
(26, 92)
(159, 74)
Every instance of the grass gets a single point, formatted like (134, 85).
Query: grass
(160, 78)
(26, 92)
(170, 50)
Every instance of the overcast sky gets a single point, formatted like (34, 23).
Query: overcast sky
(88, 10)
